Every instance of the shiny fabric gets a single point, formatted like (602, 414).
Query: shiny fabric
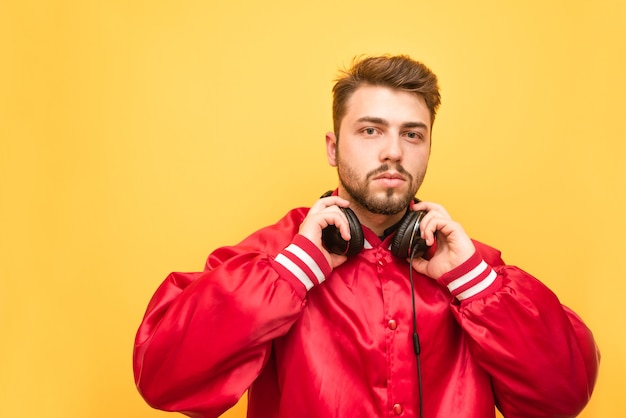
(343, 349)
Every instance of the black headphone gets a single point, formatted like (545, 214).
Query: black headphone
(406, 243)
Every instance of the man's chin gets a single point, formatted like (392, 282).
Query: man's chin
(388, 202)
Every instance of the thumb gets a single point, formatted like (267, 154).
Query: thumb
(420, 265)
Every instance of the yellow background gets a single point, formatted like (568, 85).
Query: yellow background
(138, 136)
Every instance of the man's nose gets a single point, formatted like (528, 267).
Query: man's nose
(392, 148)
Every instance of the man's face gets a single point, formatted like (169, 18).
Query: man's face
(382, 150)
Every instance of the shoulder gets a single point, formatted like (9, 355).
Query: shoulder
(276, 236)
(269, 240)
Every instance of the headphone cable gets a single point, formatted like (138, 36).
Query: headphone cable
(415, 336)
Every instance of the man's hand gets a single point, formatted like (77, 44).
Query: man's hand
(323, 213)
(453, 247)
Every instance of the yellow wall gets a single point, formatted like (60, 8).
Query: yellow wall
(137, 136)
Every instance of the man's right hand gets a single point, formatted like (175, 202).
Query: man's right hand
(326, 212)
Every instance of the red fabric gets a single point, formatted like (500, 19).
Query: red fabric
(247, 322)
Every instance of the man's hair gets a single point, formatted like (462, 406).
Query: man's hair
(397, 72)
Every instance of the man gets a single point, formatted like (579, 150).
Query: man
(316, 326)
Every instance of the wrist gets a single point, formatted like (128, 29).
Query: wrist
(304, 263)
(472, 278)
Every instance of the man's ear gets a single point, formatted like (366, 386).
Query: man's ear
(331, 148)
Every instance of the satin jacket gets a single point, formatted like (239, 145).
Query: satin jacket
(268, 316)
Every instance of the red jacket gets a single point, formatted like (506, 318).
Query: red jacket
(268, 315)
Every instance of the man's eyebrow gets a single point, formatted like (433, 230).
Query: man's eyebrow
(384, 122)
(421, 125)
(373, 119)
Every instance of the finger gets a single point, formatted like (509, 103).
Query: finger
(420, 265)
(339, 220)
(431, 226)
(431, 207)
(326, 202)
(427, 227)
(314, 223)
(336, 259)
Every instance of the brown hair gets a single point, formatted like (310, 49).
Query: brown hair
(396, 72)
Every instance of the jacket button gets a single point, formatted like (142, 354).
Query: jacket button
(392, 324)
(397, 409)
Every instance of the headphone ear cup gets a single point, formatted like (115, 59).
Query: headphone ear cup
(334, 243)
(408, 241)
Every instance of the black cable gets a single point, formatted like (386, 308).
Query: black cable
(416, 340)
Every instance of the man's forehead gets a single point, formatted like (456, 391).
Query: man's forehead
(369, 101)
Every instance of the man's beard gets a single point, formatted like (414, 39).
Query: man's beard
(390, 204)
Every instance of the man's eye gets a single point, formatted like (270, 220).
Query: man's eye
(370, 131)
(413, 135)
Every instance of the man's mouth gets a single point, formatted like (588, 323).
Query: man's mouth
(389, 176)
(389, 179)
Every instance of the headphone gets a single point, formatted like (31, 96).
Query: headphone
(407, 242)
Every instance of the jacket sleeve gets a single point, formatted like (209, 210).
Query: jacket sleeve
(542, 358)
(206, 336)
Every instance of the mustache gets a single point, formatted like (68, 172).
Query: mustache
(385, 167)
